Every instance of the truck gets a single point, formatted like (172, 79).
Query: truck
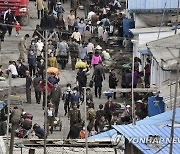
(20, 8)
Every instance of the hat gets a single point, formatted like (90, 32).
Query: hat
(139, 101)
(128, 106)
(98, 47)
(59, 3)
(98, 22)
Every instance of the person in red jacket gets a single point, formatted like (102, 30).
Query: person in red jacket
(18, 28)
(43, 89)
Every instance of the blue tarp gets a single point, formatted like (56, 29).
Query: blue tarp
(144, 52)
(105, 135)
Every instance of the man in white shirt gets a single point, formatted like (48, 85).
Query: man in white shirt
(100, 31)
(90, 14)
(90, 47)
(40, 46)
(12, 69)
(76, 35)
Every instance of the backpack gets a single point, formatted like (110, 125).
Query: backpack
(74, 48)
(67, 96)
(106, 23)
(60, 10)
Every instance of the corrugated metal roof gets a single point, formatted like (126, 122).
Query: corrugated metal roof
(166, 51)
(160, 119)
(136, 133)
(138, 6)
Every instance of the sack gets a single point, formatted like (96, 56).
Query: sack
(28, 115)
(27, 123)
(91, 84)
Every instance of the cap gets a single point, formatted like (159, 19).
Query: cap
(98, 47)
(139, 101)
(128, 106)
(59, 3)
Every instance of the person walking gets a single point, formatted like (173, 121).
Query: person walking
(9, 19)
(70, 21)
(74, 52)
(52, 61)
(96, 58)
(55, 97)
(109, 108)
(28, 87)
(98, 79)
(63, 53)
(40, 8)
(37, 89)
(32, 62)
(22, 47)
(41, 68)
(113, 81)
(81, 79)
(66, 98)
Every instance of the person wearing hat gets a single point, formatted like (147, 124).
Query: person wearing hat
(55, 97)
(60, 9)
(126, 115)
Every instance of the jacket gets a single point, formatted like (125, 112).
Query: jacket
(40, 4)
(52, 62)
(95, 59)
(56, 94)
(32, 59)
(36, 82)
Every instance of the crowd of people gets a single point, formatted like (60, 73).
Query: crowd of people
(73, 39)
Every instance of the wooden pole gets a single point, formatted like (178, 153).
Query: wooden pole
(8, 116)
(46, 85)
(174, 107)
(86, 132)
(132, 92)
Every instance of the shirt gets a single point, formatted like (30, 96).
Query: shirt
(13, 69)
(90, 14)
(70, 20)
(81, 27)
(100, 31)
(76, 36)
(90, 47)
(63, 47)
(28, 81)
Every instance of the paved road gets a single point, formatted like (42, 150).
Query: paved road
(10, 52)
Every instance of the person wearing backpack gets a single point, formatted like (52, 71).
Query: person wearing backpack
(74, 52)
(105, 21)
(59, 9)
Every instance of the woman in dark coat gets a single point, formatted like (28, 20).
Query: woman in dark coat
(113, 81)
(98, 79)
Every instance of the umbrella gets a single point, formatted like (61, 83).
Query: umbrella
(53, 70)
(81, 64)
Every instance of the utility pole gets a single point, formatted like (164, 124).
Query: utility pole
(8, 116)
(46, 85)
(174, 107)
(177, 17)
(85, 109)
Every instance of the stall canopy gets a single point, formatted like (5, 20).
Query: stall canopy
(107, 135)
(166, 51)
